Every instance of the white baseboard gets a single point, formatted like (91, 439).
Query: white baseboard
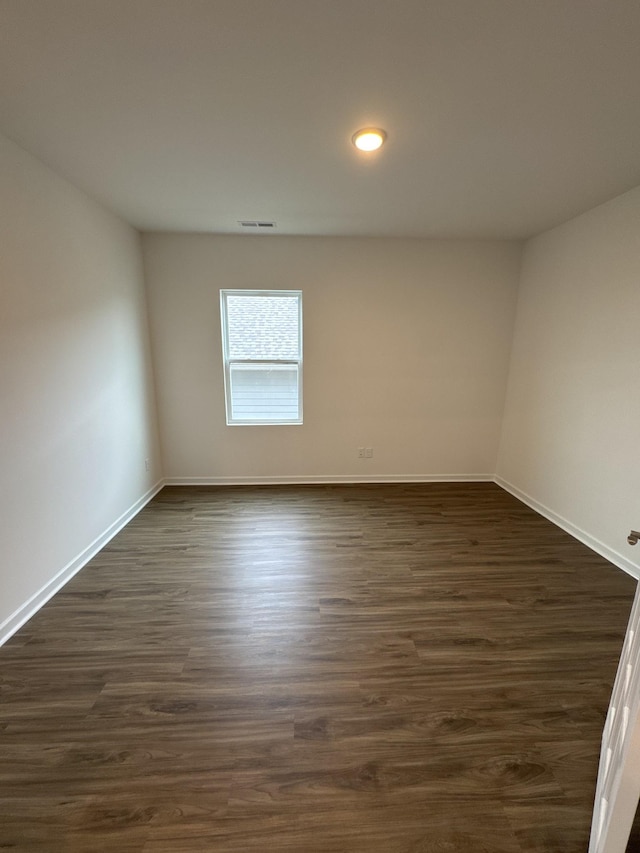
(329, 479)
(578, 533)
(33, 604)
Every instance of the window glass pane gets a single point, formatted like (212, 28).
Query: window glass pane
(264, 392)
(263, 327)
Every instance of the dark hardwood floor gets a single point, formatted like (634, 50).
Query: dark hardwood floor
(339, 669)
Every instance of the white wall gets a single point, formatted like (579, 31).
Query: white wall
(76, 395)
(406, 347)
(571, 437)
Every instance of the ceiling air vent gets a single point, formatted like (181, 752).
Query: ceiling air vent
(256, 223)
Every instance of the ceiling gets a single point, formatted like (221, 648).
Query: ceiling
(504, 117)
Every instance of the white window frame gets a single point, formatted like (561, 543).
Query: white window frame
(228, 362)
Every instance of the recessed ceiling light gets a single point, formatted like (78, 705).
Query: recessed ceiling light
(369, 138)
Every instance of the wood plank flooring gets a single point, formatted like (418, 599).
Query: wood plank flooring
(322, 669)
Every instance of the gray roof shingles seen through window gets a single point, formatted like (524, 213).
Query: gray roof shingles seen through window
(263, 327)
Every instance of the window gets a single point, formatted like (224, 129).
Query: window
(262, 352)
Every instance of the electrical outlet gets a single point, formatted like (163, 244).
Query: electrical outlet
(361, 453)
(146, 464)
(368, 452)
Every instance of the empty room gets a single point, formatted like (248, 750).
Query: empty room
(319, 376)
